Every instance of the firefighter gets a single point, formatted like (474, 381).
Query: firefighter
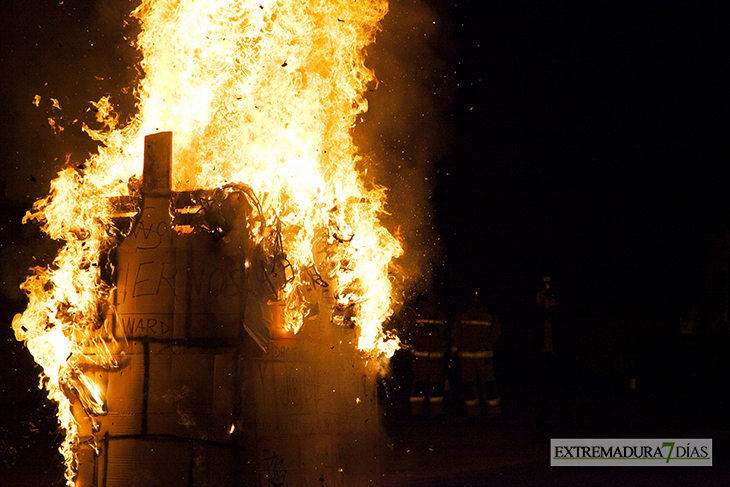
(427, 341)
(554, 365)
(475, 334)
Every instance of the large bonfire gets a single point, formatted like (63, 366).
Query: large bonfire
(263, 93)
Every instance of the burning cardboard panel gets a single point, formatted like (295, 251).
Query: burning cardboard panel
(199, 401)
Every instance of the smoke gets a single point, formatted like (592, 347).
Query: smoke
(407, 131)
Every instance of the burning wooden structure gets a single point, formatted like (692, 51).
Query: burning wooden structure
(210, 389)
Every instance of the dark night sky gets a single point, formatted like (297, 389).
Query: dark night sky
(591, 147)
(582, 140)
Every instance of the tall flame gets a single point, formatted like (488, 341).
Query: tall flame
(264, 93)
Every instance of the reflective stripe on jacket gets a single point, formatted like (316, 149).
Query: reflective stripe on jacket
(480, 354)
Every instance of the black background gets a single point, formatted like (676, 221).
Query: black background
(589, 147)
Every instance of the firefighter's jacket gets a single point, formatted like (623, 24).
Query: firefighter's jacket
(427, 342)
(475, 334)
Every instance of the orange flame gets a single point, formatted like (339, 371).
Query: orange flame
(261, 93)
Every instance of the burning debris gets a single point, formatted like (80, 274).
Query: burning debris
(262, 222)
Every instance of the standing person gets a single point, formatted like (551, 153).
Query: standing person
(427, 341)
(553, 364)
(475, 334)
